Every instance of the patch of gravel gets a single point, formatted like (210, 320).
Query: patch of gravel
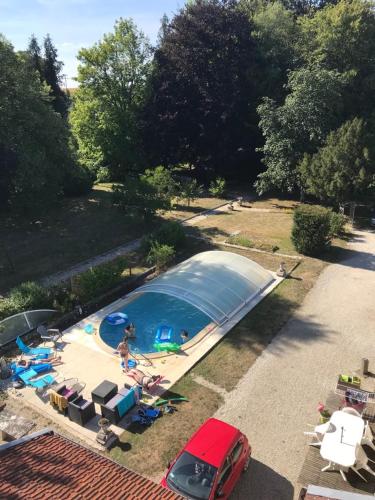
(278, 397)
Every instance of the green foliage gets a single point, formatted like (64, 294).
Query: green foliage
(78, 182)
(104, 119)
(204, 89)
(103, 174)
(342, 170)
(24, 297)
(337, 223)
(161, 180)
(311, 232)
(217, 187)
(241, 240)
(190, 190)
(138, 198)
(299, 125)
(99, 279)
(34, 140)
(169, 233)
(160, 255)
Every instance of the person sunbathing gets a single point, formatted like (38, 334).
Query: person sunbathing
(146, 381)
(52, 360)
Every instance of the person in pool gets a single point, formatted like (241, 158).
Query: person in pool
(184, 335)
(130, 330)
(123, 350)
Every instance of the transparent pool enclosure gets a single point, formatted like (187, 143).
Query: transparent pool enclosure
(216, 282)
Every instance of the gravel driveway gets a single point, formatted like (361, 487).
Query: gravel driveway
(278, 397)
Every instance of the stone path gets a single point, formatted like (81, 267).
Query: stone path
(65, 275)
(278, 397)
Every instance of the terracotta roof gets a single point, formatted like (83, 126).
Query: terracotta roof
(46, 466)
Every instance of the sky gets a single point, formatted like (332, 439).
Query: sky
(73, 24)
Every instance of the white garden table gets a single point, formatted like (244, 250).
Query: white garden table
(340, 441)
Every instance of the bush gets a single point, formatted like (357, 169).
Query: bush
(99, 279)
(103, 175)
(160, 255)
(25, 297)
(338, 222)
(169, 233)
(311, 232)
(78, 182)
(217, 187)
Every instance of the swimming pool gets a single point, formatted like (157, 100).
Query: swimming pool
(150, 310)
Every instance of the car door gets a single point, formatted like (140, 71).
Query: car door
(237, 455)
(224, 481)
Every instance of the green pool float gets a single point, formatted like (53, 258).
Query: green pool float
(167, 346)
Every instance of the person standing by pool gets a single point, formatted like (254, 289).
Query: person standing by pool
(123, 350)
(184, 335)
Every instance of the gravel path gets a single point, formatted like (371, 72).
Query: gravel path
(278, 397)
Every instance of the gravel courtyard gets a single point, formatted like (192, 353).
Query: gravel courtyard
(278, 397)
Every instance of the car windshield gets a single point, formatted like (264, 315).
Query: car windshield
(192, 477)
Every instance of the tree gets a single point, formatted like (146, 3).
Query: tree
(35, 56)
(112, 76)
(35, 155)
(343, 170)
(217, 187)
(342, 38)
(160, 255)
(52, 76)
(305, 7)
(161, 179)
(203, 90)
(190, 190)
(138, 198)
(300, 125)
(276, 32)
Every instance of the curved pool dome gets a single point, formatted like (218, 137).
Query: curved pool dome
(218, 283)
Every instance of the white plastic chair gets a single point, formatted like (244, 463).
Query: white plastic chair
(351, 411)
(318, 434)
(361, 462)
(368, 438)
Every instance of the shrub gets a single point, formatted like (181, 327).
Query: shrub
(217, 187)
(311, 232)
(169, 233)
(78, 182)
(24, 297)
(338, 222)
(103, 175)
(99, 279)
(160, 255)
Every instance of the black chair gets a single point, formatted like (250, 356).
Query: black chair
(81, 410)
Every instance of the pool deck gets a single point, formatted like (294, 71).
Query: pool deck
(87, 358)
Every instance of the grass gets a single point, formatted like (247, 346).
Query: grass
(264, 230)
(148, 450)
(77, 229)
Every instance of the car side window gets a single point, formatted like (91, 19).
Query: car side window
(237, 450)
(225, 472)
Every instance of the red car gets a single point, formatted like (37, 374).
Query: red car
(210, 464)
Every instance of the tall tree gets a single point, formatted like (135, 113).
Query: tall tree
(112, 76)
(34, 141)
(52, 76)
(34, 52)
(342, 171)
(312, 108)
(203, 90)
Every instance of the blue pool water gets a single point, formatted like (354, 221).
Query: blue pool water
(147, 312)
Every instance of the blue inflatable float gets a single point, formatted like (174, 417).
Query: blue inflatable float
(163, 334)
(117, 318)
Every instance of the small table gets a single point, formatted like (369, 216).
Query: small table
(340, 441)
(104, 392)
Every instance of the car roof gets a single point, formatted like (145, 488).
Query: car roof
(212, 441)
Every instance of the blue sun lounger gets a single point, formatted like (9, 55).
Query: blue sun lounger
(32, 351)
(41, 383)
